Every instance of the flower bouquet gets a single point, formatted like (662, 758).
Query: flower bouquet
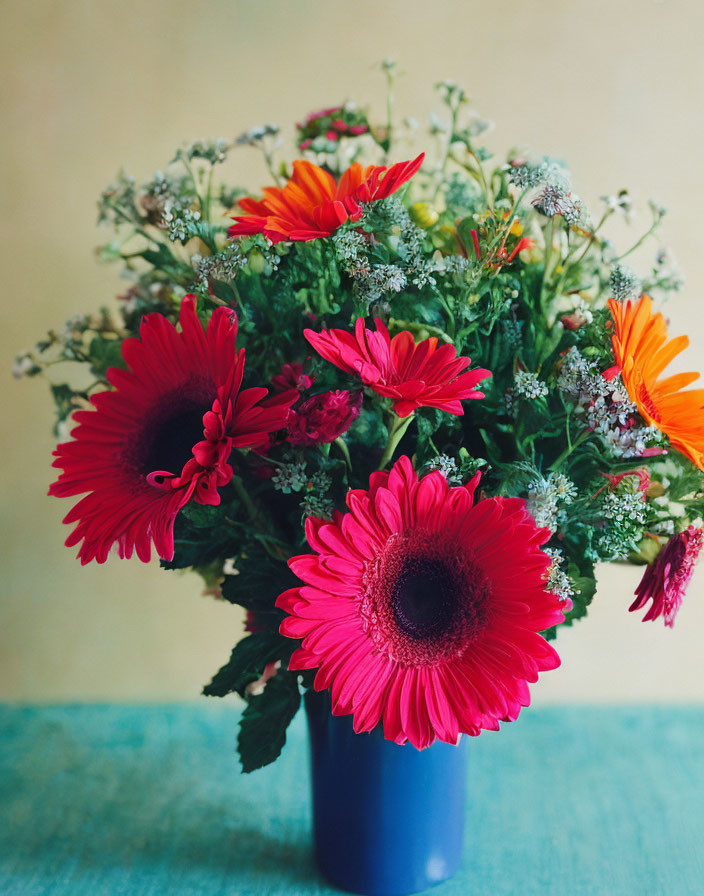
(396, 407)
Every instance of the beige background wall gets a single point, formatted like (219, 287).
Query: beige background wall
(614, 86)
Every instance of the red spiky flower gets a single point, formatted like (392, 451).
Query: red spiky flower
(422, 609)
(163, 435)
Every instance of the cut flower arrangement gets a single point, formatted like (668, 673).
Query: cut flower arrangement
(396, 405)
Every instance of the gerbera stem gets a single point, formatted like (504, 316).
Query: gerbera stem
(396, 433)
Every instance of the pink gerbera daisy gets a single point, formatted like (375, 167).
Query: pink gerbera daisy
(413, 374)
(422, 609)
(162, 436)
(665, 581)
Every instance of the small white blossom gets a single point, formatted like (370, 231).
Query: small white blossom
(254, 136)
(22, 365)
(557, 580)
(554, 200)
(621, 203)
(213, 151)
(624, 514)
(528, 386)
(623, 283)
(545, 496)
(182, 222)
(446, 465)
(229, 568)
(565, 489)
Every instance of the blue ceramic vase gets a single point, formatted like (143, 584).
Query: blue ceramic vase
(388, 820)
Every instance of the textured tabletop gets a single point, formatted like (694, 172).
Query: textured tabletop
(148, 800)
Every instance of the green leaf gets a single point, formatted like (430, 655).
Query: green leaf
(247, 662)
(160, 257)
(200, 538)
(105, 353)
(260, 580)
(202, 516)
(63, 397)
(688, 481)
(264, 722)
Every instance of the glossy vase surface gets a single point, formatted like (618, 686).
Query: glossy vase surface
(388, 820)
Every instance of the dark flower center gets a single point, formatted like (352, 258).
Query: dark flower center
(425, 598)
(170, 443)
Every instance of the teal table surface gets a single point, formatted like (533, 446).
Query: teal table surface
(139, 800)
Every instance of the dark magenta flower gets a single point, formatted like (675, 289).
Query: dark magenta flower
(323, 418)
(292, 376)
(665, 581)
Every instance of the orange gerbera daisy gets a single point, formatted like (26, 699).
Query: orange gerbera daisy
(313, 204)
(642, 352)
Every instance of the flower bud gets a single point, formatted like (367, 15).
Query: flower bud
(256, 261)
(647, 550)
(423, 214)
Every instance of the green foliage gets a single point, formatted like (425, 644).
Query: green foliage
(63, 396)
(584, 583)
(203, 534)
(264, 722)
(259, 581)
(247, 662)
(467, 254)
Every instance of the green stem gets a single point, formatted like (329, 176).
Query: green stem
(389, 111)
(478, 174)
(396, 433)
(208, 197)
(591, 239)
(485, 186)
(269, 162)
(549, 234)
(246, 500)
(194, 181)
(137, 229)
(454, 111)
(514, 209)
(651, 230)
(344, 450)
(260, 524)
(238, 298)
(570, 448)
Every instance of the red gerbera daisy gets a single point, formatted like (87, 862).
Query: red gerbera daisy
(423, 609)
(313, 205)
(413, 374)
(163, 436)
(665, 581)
